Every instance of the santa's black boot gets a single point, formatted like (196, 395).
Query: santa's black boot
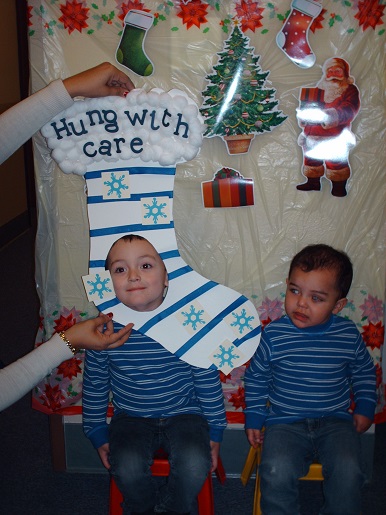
(312, 184)
(339, 188)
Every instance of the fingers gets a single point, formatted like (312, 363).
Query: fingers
(122, 336)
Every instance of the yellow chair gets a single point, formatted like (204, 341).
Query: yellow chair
(252, 463)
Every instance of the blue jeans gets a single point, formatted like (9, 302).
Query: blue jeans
(133, 442)
(288, 451)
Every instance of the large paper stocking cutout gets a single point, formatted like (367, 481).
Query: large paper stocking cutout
(127, 149)
(293, 37)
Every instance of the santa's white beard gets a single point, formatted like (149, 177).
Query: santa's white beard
(332, 89)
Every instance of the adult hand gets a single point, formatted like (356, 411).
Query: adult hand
(255, 437)
(92, 334)
(214, 452)
(101, 81)
(104, 451)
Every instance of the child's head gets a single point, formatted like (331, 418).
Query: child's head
(138, 273)
(318, 282)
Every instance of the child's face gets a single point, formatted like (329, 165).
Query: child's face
(138, 274)
(312, 297)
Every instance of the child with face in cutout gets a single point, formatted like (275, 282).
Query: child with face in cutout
(160, 402)
(299, 387)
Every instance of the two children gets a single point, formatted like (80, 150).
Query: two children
(159, 401)
(299, 386)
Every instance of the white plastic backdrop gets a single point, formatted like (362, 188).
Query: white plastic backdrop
(246, 248)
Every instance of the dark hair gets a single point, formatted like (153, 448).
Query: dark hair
(320, 256)
(126, 237)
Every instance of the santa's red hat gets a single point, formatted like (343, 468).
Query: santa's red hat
(341, 63)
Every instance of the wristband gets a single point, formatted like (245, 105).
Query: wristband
(67, 342)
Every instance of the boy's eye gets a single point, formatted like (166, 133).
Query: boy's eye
(315, 298)
(295, 291)
(119, 270)
(146, 266)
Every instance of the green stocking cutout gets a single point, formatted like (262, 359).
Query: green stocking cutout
(130, 52)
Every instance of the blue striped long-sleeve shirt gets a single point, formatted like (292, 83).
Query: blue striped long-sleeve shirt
(308, 373)
(146, 380)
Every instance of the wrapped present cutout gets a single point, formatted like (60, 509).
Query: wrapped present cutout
(311, 106)
(311, 97)
(228, 189)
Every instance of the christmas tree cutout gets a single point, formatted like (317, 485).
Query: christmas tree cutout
(237, 106)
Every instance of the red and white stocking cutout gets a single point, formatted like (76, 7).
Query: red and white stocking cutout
(293, 37)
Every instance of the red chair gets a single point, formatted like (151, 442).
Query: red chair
(161, 468)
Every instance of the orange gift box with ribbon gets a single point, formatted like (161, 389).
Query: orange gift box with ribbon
(228, 189)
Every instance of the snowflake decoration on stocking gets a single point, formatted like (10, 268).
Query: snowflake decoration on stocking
(226, 356)
(116, 185)
(155, 210)
(242, 321)
(193, 317)
(99, 286)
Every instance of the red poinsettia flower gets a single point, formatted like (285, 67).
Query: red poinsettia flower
(70, 368)
(378, 375)
(64, 322)
(74, 16)
(131, 4)
(373, 335)
(265, 322)
(193, 13)
(317, 23)
(53, 397)
(249, 14)
(29, 15)
(370, 13)
(238, 399)
(223, 377)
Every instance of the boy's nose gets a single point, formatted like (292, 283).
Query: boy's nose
(133, 276)
(302, 301)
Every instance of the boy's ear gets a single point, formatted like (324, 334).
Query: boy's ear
(340, 304)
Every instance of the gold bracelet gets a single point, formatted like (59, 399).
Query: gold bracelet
(67, 342)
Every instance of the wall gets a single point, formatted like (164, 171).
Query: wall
(13, 205)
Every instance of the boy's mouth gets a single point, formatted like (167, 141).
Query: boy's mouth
(300, 316)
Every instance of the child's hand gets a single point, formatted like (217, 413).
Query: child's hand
(104, 451)
(361, 423)
(255, 437)
(214, 451)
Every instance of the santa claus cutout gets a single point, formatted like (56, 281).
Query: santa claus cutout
(325, 115)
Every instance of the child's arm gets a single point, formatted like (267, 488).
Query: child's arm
(96, 389)
(209, 392)
(256, 381)
(363, 381)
